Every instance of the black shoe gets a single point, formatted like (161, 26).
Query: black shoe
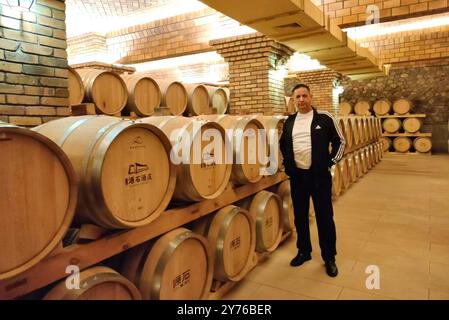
(300, 259)
(331, 268)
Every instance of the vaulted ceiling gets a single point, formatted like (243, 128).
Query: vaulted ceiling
(85, 16)
(95, 8)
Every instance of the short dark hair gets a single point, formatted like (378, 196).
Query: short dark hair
(300, 85)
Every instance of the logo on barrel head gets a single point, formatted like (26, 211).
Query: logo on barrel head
(138, 140)
(137, 168)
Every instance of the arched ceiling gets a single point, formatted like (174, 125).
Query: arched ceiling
(84, 16)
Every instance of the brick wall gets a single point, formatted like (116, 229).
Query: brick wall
(425, 44)
(33, 63)
(256, 72)
(88, 47)
(350, 12)
(321, 83)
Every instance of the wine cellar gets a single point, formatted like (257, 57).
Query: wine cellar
(143, 143)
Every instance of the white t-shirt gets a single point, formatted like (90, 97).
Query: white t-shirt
(302, 141)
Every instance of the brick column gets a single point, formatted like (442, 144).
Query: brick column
(33, 63)
(256, 73)
(322, 84)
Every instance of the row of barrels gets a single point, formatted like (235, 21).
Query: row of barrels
(111, 93)
(406, 144)
(409, 125)
(381, 107)
(182, 263)
(359, 131)
(110, 172)
(353, 166)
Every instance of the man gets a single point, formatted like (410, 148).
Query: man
(304, 144)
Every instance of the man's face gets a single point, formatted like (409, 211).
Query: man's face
(302, 100)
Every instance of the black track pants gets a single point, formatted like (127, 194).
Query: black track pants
(304, 183)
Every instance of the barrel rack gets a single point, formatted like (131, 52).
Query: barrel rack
(53, 267)
(406, 134)
(408, 115)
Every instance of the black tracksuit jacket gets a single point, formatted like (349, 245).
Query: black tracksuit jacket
(324, 130)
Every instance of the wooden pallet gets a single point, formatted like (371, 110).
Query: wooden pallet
(53, 268)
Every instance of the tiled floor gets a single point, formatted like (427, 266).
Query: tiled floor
(396, 217)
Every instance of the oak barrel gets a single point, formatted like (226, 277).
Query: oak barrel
(363, 160)
(126, 177)
(355, 131)
(38, 194)
(96, 283)
(174, 96)
(76, 87)
(198, 99)
(105, 89)
(402, 144)
(266, 210)
(363, 138)
(219, 98)
(344, 173)
(246, 166)
(231, 234)
(203, 173)
(336, 181)
(386, 143)
(352, 168)
(367, 157)
(273, 126)
(176, 266)
(412, 125)
(144, 94)
(344, 108)
(288, 214)
(402, 106)
(391, 125)
(362, 108)
(382, 107)
(358, 163)
(422, 144)
(346, 129)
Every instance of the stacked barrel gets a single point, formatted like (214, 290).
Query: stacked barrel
(402, 130)
(363, 149)
(142, 95)
(120, 174)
